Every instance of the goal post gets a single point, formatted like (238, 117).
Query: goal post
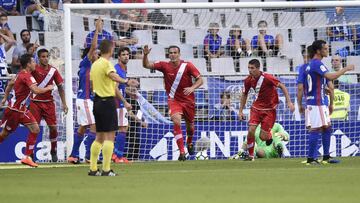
(229, 76)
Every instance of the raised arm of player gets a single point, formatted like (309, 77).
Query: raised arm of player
(337, 74)
(146, 62)
(287, 96)
(94, 41)
(9, 39)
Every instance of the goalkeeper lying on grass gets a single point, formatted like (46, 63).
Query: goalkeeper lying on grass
(275, 150)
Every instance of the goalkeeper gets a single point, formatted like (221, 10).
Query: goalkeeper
(275, 150)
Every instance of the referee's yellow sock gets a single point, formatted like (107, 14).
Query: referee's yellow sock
(94, 155)
(107, 151)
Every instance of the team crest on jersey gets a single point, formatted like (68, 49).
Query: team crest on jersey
(309, 108)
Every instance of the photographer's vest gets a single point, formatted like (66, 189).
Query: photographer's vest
(341, 105)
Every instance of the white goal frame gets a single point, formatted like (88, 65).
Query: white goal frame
(67, 32)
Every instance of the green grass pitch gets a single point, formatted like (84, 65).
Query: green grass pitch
(225, 181)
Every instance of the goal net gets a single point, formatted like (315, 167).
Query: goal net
(220, 40)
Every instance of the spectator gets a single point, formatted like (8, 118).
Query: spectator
(336, 63)
(3, 22)
(36, 9)
(135, 15)
(103, 34)
(31, 49)
(8, 7)
(212, 42)
(19, 50)
(340, 31)
(266, 45)
(6, 41)
(56, 61)
(236, 45)
(341, 103)
(124, 37)
(224, 111)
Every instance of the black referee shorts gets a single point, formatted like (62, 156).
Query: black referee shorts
(105, 114)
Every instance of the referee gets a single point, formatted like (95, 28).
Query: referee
(104, 82)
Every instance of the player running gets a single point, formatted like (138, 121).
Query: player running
(263, 109)
(178, 76)
(42, 105)
(84, 101)
(17, 113)
(317, 112)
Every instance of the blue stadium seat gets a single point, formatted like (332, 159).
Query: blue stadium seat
(159, 98)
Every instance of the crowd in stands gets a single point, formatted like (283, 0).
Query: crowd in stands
(237, 46)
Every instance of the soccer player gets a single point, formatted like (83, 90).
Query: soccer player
(263, 110)
(17, 112)
(178, 76)
(103, 78)
(122, 107)
(317, 113)
(43, 106)
(275, 150)
(84, 101)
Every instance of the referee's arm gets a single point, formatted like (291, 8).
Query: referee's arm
(115, 77)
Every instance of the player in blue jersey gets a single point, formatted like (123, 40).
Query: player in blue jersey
(123, 106)
(301, 77)
(317, 112)
(84, 101)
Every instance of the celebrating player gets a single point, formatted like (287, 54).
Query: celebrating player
(42, 105)
(317, 113)
(263, 109)
(17, 112)
(84, 101)
(123, 105)
(178, 76)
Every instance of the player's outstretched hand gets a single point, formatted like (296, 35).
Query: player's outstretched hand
(146, 50)
(65, 108)
(133, 83)
(98, 24)
(50, 87)
(291, 106)
(241, 116)
(188, 90)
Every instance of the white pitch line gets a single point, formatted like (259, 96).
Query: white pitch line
(5, 167)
